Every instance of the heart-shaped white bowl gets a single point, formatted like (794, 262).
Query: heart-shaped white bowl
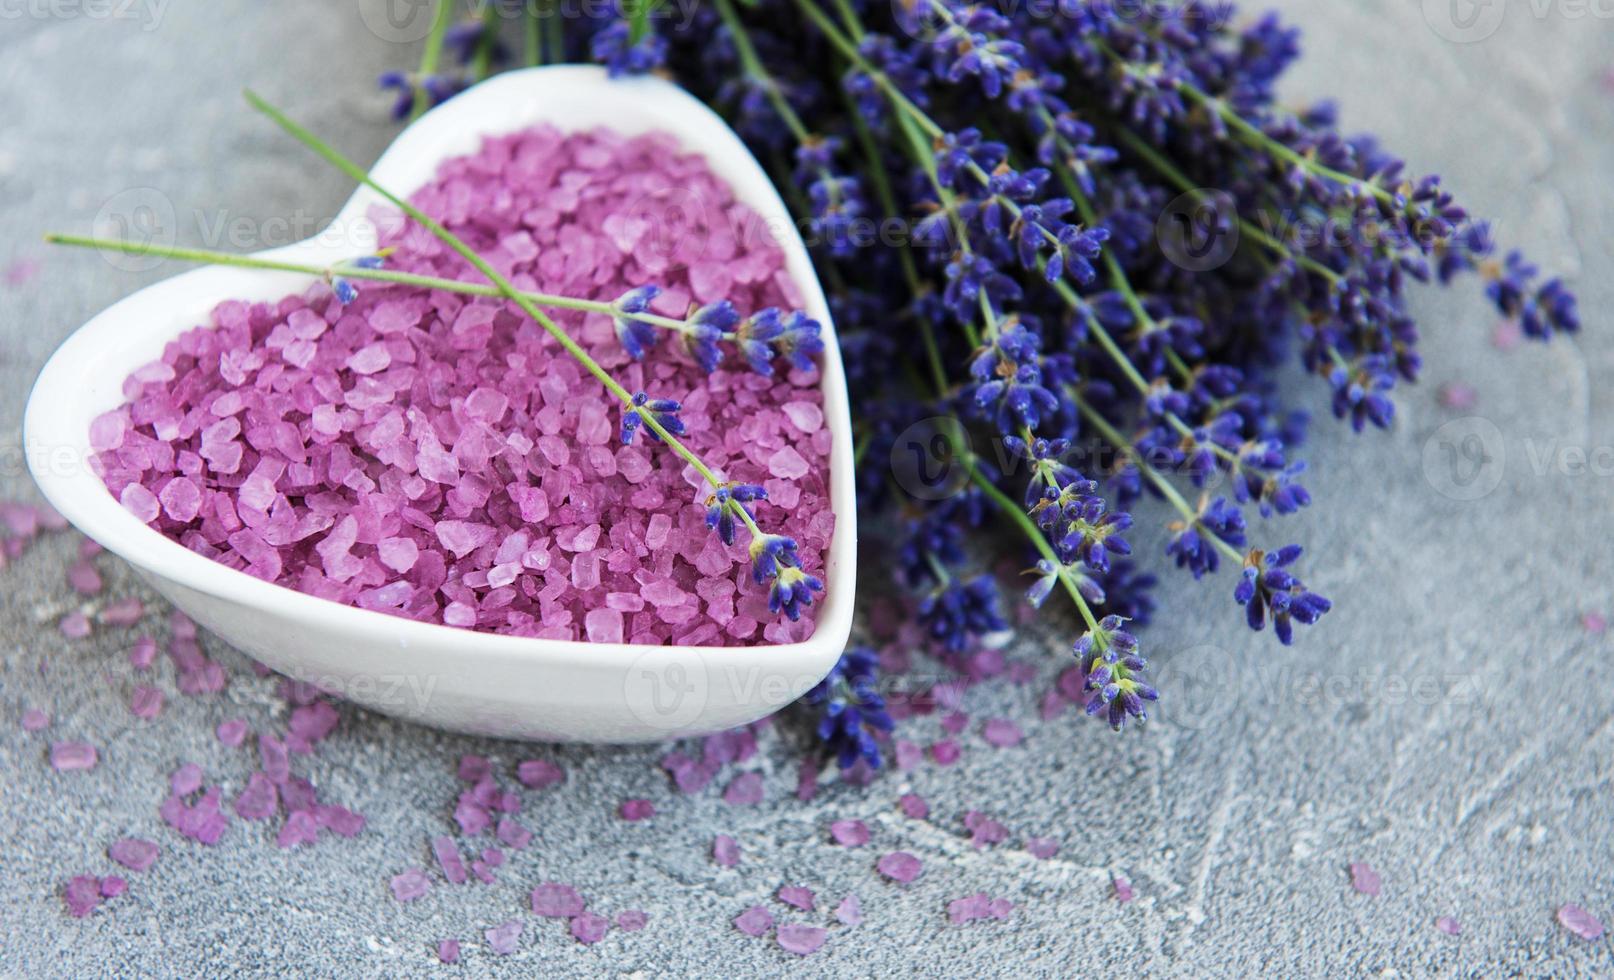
(452, 678)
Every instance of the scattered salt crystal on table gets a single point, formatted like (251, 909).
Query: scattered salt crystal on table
(636, 810)
(75, 625)
(133, 853)
(589, 928)
(945, 752)
(914, 806)
(82, 894)
(34, 720)
(900, 866)
(112, 886)
(754, 921)
(1123, 889)
(849, 833)
(70, 756)
(124, 612)
(1580, 922)
(448, 951)
(850, 911)
(410, 885)
(84, 579)
(146, 702)
(232, 732)
(449, 859)
(1448, 925)
(725, 851)
(1002, 733)
(1042, 848)
(143, 654)
(554, 900)
(797, 895)
(502, 939)
(631, 920)
(803, 940)
(744, 790)
(1364, 879)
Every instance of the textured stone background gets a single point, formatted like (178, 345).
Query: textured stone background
(1451, 722)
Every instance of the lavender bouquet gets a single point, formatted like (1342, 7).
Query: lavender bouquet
(1044, 216)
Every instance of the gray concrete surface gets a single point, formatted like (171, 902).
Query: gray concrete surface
(1451, 722)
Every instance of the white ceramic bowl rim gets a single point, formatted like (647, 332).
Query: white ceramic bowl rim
(83, 378)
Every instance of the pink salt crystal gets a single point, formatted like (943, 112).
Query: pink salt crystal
(1506, 335)
(133, 853)
(806, 416)
(1448, 925)
(725, 851)
(124, 612)
(146, 702)
(75, 626)
(502, 939)
(803, 940)
(474, 768)
(1580, 922)
(539, 773)
(107, 431)
(849, 833)
(900, 866)
(1042, 848)
(945, 752)
(955, 722)
(589, 928)
(1364, 879)
(636, 809)
(398, 554)
(1002, 733)
(299, 828)
(754, 921)
(744, 790)
(72, 756)
(449, 859)
(556, 901)
(1123, 889)
(258, 799)
(797, 895)
(112, 886)
(787, 464)
(185, 780)
(410, 885)
(448, 951)
(1457, 395)
(907, 754)
(1593, 623)
(143, 653)
(631, 920)
(603, 625)
(914, 806)
(370, 358)
(232, 732)
(83, 578)
(140, 502)
(850, 911)
(512, 834)
(82, 894)
(34, 720)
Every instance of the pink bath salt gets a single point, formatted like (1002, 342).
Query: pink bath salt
(945, 752)
(914, 806)
(900, 867)
(803, 940)
(744, 790)
(1002, 733)
(1458, 396)
(448, 951)
(1042, 848)
(1364, 879)
(185, 780)
(124, 612)
(72, 756)
(907, 754)
(146, 702)
(1448, 925)
(503, 938)
(556, 901)
(82, 895)
(1123, 889)
(384, 453)
(1594, 622)
(133, 853)
(631, 920)
(512, 834)
(143, 653)
(258, 800)
(849, 833)
(850, 911)
(636, 809)
(725, 851)
(539, 773)
(797, 895)
(35, 720)
(754, 921)
(232, 732)
(112, 886)
(589, 928)
(955, 722)
(1580, 922)
(83, 578)
(410, 885)
(75, 625)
